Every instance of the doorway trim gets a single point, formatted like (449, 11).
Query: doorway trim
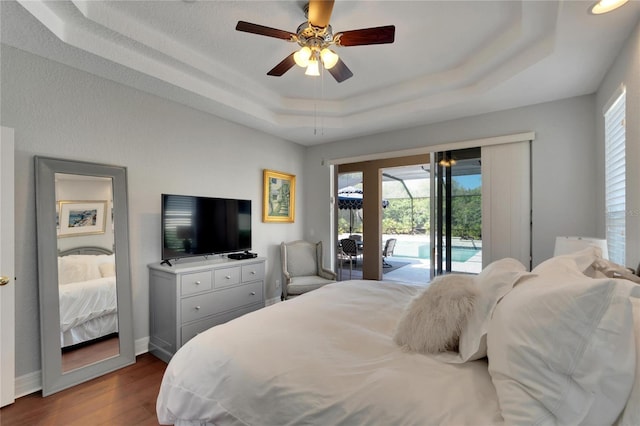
(426, 149)
(7, 265)
(372, 206)
(423, 150)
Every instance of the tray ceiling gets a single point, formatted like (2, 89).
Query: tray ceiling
(450, 59)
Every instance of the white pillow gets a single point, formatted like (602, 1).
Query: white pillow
(107, 270)
(495, 280)
(577, 264)
(433, 320)
(77, 268)
(631, 414)
(561, 349)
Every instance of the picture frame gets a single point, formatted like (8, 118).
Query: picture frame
(279, 200)
(78, 218)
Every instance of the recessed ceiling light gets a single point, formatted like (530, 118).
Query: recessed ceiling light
(604, 6)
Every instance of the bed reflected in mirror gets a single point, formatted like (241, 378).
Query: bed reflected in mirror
(84, 271)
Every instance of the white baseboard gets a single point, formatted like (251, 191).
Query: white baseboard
(28, 383)
(272, 301)
(32, 382)
(141, 346)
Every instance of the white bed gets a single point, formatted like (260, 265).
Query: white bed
(329, 358)
(88, 298)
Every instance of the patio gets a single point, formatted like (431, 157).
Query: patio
(411, 261)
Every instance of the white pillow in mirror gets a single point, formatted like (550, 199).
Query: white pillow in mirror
(77, 268)
(107, 270)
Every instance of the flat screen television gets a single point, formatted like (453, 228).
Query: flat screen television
(200, 226)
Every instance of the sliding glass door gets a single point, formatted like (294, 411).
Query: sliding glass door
(456, 206)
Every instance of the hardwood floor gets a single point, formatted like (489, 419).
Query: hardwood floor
(85, 355)
(124, 397)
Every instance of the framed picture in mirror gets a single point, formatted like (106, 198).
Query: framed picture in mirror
(81, 218)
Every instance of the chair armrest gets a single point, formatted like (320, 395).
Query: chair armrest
(325, 273)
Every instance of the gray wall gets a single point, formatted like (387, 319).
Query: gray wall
(563, 157)
(61, 112)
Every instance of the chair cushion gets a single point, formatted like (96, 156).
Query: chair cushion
(301, 285)
(301, 260)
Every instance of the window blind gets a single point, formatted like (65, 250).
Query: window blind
(615, 179)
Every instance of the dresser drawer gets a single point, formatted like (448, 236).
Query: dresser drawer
(197, 307)
(253, 272)
(191, 330)
(195, 283)
(226, 277)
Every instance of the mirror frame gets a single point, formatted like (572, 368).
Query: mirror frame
(53, 379)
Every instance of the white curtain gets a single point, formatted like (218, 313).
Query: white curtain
(506, 202)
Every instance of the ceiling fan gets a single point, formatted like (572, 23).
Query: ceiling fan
(316, 37)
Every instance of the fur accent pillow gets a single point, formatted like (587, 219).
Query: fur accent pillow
(433, 320)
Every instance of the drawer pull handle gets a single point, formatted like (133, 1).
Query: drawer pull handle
(228, 277)
(197, 308)
(253, 272)
(253, 293)
(197, 282)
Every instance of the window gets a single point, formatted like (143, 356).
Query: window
(615, 179)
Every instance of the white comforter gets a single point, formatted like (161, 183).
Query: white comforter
(323, 358)
(86, 300)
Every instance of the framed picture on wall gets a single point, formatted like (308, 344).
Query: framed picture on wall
(279, 201)
(81, 218)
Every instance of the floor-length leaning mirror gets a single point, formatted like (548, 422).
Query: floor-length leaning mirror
(86, 321)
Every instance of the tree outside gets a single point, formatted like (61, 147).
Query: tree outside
(400, 218)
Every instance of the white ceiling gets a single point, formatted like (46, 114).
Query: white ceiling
(450, 59)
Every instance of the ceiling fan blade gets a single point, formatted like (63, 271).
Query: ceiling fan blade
(248, 27)
(320, 12)
(377, 35)
(283, 66)
(340, 71)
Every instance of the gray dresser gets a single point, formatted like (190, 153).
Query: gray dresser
(187, 299)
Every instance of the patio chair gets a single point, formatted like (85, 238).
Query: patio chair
(358, 239)
(303, 268)
(349, 249)
(389, 245)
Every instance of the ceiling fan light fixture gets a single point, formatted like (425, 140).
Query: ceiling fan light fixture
(447, 161)
(604, 6)
(329, 58)
(302, 56)
(313, 69)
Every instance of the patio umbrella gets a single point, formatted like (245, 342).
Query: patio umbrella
(350, 198)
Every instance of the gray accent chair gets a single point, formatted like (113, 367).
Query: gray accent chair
(303, 268)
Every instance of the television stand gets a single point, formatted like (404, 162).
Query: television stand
(193, 297)
(166, 261)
